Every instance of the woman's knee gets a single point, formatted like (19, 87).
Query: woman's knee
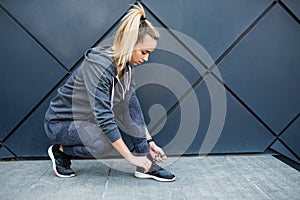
(49, 132)
(102, 148)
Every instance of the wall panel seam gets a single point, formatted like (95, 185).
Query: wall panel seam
(21, 26)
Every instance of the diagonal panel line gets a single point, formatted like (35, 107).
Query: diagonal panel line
(277, 137)
(10, 151)
(227, 51)
(33, 37)
(286, 146)
(59, 83)
(245, 105)
(221, 82)
(100, 40)
(212, 67)
(178, 103)
(289, 124)
(34, 108)
(176, 37)
(283, 142)
(44, 48)
(235, 43)
(290, 12)
(197, 82)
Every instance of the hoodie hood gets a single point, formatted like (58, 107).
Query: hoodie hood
(102, 55)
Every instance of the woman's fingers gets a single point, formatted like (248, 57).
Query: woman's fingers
(142, 162)
(160, 158)
(160, 155)
(145, 163)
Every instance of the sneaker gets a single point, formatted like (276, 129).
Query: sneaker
(156, 172)
(61, 162)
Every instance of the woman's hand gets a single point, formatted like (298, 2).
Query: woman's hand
(140, 161)
(156, 152)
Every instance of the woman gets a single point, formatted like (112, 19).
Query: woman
(98, 100)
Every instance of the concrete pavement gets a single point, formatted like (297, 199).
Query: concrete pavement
(212, 177)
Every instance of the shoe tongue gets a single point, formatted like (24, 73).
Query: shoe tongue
(150, 157)
(155, 167)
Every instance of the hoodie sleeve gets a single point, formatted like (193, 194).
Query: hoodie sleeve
(98, 82)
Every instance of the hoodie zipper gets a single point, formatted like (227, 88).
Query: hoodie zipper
(125, 88)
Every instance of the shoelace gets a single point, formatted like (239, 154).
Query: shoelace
(66, 162)
(63, 159)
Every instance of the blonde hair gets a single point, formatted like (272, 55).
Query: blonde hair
(133, 29)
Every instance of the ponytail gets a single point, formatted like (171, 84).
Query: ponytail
(133, 29)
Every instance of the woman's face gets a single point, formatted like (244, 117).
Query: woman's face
(142, 50)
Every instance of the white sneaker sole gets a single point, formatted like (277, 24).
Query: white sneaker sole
(50, 152)
(143, 175)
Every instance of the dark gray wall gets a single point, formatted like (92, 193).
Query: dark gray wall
(255, 46)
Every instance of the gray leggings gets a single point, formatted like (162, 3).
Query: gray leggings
(86, 140)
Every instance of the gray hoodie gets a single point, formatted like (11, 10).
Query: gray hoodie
(95, 93)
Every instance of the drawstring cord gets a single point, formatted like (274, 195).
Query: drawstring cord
(127, 86)
(112, 94)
